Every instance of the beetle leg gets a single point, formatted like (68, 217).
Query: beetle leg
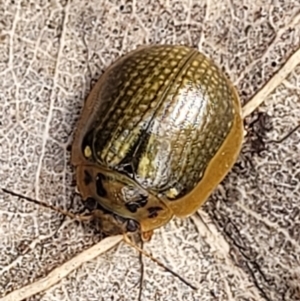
(127, 240)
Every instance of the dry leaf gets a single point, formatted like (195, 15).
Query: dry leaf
(245, 242)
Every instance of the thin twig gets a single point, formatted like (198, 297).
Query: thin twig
(64, 270)
(274, 82)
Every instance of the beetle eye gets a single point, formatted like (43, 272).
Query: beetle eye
(131, 225)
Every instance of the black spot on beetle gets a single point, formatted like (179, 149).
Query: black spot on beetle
(153, 215)
(99, 185)
(131, 225)
(153, 211)
(87, 178)
(132, 207)
(142, 201)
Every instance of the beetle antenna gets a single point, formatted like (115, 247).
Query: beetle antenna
(48, 206)
(133, 245)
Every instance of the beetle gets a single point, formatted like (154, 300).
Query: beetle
(159, 131)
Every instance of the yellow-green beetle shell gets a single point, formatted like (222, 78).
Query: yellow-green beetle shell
(159, 131)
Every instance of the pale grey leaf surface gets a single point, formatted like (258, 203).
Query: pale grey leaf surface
(245, 242)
